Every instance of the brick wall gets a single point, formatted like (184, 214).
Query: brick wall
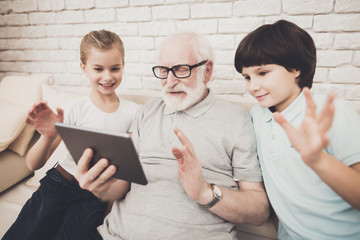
(43, 36)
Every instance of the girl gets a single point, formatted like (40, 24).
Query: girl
(310, 160)
(60, 209)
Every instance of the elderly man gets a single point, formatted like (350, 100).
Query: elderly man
(197, 189)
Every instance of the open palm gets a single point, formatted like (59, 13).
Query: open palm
(43, 119)
(189, 168)
(311, 137)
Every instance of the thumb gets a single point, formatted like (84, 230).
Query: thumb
(60, 114)
(84, 161)
(177, 153)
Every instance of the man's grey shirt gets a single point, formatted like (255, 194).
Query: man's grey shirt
(223, 139)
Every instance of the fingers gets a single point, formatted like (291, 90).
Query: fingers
(311, 106)
(37, 108)
(32, 113)
(283, 122)
(96, 178)
(84, 162)
(42, 105)
(177, 153)
(29, 121)
(184, 140)
(91, 174)
(95, 171)
(106, 175)
(186, 153)
(181, 155)
(97, 175)
(326, 115)
(60, 113)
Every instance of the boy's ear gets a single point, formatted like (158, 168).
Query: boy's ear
(297, 73)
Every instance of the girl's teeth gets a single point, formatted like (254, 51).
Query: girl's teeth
(107, 85)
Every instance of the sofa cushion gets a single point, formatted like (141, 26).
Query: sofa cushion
(12, 122)
(17, 95)
(19, 145)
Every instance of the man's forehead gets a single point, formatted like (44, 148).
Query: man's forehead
(176, 51)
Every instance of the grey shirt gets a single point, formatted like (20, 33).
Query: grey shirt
(223, 139)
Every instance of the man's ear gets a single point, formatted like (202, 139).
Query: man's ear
(83, 68)
(208, 71)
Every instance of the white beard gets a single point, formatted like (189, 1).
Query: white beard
(192, 97)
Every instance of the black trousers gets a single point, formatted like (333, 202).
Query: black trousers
(59, 209)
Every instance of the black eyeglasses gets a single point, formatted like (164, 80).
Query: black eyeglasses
(179, 71)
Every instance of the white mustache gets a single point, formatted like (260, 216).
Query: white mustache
(177, 88)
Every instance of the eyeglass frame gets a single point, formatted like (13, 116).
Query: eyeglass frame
(171, 69)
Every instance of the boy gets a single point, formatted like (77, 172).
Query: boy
(310, 160)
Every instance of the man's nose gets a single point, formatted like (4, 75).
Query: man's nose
(171, 80)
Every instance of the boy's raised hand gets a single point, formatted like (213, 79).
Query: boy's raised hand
(43, 119)
(311, 137)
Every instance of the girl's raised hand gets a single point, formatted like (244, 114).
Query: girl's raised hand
(43, 119)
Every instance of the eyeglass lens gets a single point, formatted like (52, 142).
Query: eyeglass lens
(180, 71)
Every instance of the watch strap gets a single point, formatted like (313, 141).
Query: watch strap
(217, 196)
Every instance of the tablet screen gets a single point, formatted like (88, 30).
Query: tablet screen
(117, 148)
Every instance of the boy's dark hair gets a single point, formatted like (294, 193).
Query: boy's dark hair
(282, 43)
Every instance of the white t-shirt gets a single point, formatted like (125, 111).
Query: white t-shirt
(306, 206)
(83, 112)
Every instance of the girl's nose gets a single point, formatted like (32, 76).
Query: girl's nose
(107, 75)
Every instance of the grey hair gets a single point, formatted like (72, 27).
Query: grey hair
(201, 46)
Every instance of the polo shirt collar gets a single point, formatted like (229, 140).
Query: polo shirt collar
(291, 112)
(198, 109)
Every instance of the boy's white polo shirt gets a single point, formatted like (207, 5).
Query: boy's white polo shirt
(303, 202)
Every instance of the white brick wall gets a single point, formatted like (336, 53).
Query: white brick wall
(43, 36)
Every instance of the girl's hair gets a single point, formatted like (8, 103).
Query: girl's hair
(102, 40)
(282, 43)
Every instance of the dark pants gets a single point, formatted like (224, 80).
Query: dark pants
(59, 209)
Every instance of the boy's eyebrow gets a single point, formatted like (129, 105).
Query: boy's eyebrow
(257, 68)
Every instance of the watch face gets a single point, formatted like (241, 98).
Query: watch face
(217, 196)
(217, 191)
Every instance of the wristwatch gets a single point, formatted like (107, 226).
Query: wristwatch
(217, 196)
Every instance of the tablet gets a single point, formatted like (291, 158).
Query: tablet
(117, 148)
